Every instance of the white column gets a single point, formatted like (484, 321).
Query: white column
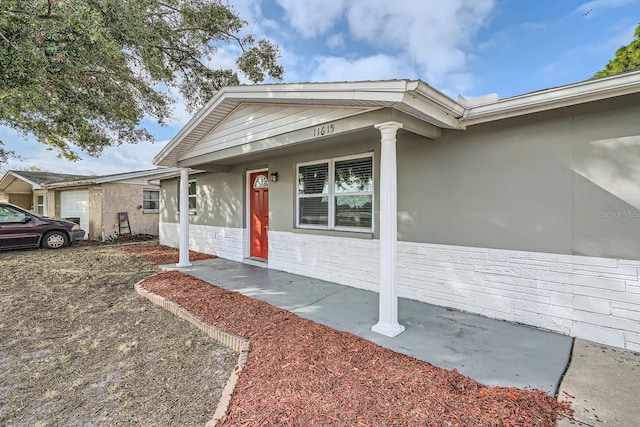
(388, 295)
(184, 219)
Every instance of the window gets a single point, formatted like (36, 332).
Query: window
(192, 196)
(336, 194)
(40, 205)
(193, 201)
(8, 214)
(150, 200)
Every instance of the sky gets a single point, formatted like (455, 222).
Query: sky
(460, 47)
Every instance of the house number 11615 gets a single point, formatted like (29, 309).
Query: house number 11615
(323, 130)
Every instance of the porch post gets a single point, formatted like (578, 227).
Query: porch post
(388, 299)
(184, 219)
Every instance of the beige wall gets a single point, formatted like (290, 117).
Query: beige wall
(118, 197)
(563, 182)
(22, 200)
(96, 201)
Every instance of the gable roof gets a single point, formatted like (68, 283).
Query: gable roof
(36, 179)
(413, 97)
(40, 180)
(146, 175)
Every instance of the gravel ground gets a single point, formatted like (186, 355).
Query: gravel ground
(80, 347)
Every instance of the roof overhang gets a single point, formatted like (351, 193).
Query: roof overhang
(10, 177)
(554, 98)
(415, 98)
(146, 175)
(412, 97)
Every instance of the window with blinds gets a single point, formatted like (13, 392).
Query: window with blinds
(336, 194)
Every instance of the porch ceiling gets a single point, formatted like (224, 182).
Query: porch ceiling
(223, 160)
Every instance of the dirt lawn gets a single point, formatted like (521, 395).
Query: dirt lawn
(78, 346)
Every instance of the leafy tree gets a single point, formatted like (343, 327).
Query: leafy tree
(88, 71)
(627, 58)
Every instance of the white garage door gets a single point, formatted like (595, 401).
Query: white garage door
(75, 204)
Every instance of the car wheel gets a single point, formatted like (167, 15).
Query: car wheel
(55, 240)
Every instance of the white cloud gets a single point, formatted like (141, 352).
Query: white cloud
(377, 67)
(336, 41)
(312, 18)
(434, 34)
(431, 36)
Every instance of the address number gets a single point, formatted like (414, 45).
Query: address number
(323, 130)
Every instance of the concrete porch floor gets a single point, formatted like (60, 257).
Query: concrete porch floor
(492, 352)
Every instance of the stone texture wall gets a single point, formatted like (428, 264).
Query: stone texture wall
(586, 297)
(226, 242)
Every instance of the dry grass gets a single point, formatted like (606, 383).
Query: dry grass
(80, 347)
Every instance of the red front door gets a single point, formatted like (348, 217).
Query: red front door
(259, 207)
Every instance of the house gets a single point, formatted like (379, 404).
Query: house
(525, 209)
(19, 187)
(95, 202)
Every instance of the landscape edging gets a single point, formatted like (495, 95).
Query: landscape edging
(234, 342)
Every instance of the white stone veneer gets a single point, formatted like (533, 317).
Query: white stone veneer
(226, 242)
(587, 297)
(597, 299)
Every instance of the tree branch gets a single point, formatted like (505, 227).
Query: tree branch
(8, 41)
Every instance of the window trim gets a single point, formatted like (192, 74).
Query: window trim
(331, 223)
(144, 210)
(44, 204)
(189, 196)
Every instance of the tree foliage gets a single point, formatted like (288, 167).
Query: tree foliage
(627, 58)
(88, 71)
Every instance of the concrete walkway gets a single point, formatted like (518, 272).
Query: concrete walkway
(603, 385)
(491, 352)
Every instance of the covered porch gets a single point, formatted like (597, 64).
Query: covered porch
(492, 352)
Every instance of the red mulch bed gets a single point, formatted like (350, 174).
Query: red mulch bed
(300, 373)
(159, 254)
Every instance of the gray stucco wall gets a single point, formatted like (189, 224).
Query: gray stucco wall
(566, 181)
(282, 194)
(561, 183)
(222, 196)
(220, 199)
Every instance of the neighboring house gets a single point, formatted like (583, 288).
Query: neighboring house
(93, 201)
(525, 209)
(20, 188)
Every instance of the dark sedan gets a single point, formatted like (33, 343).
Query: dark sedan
(20, 228)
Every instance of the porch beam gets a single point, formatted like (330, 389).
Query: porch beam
(388, 296)
(183, 244)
